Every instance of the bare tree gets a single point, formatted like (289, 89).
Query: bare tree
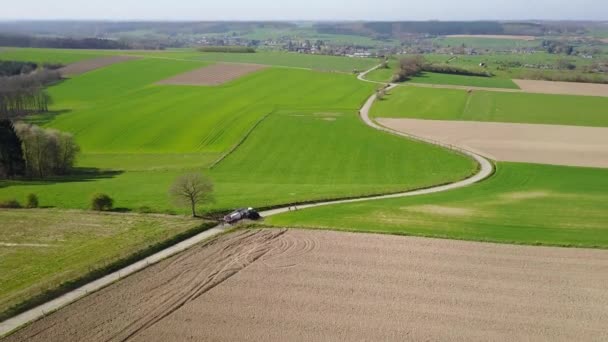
(191, 189)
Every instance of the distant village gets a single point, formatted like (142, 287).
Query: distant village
(415, 44)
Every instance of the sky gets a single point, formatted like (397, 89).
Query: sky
(306, 10)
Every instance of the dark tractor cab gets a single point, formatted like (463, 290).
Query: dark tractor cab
(242, 214)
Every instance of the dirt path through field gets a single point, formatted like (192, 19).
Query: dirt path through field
(277, 285)
(542, 144)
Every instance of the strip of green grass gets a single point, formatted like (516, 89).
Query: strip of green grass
(47, 55)
(460, 80)
(63, 246)
(451, 104)
(522, 203)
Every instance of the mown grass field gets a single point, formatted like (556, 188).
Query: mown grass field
(453, 104)
(137, 137)
(51, 247)
(292, 156)
(522, 203)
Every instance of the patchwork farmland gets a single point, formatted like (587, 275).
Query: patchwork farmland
(277, 132)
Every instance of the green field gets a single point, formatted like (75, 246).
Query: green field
(47, 55)
(53, 246)
(137, 137)
(522, 203)
(284, 59)
(292, 156)
(386, 75)
(453, 104)
(460, 80)
(486, 43)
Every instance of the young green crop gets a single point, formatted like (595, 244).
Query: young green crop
(451, 104)
(522, 203)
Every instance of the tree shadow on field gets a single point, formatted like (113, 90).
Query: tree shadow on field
(78, 175)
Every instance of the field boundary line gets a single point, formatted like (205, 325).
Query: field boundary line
(485, 170)
(241, 141)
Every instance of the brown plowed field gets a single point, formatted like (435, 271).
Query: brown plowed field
(563, 88)
(78, 68)
(492, 36)
(542, 144)
(277, 285)
(215, 74)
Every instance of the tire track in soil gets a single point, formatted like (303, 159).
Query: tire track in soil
(237, 254)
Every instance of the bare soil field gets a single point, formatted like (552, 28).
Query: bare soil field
(492, 36)
(78, 68)
(215, 74)
(279, 285)
(532, 143)
(562, 88)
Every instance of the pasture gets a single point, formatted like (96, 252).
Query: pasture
(43, 249)
(137, 137)
(453, 104)
(523, 204)
(291, 156)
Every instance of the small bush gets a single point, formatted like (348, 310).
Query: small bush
(10, 204)
(32, 201)
(101, 202)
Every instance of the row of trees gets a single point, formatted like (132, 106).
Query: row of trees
(13, 68)
(24, 94)
(60, 43)
(28, 150)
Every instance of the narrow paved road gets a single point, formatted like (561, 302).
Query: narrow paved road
(485, 170)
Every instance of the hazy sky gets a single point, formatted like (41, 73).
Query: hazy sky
(305, 10)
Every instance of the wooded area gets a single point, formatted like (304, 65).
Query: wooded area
(25, 94)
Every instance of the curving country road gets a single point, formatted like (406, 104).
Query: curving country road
(484, 171)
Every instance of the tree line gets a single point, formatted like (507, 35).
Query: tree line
(32, 151)
(24, 94)
(60, 43)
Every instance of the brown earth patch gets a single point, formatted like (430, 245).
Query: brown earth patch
(563, 88)
(492, 36)
(215, 74)
(277, 285)
(81, 67)
(543, 144)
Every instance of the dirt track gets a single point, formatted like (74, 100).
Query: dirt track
(78, 68)
(563, 88)
(215, 74)
(544, 144)
(320, 285)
